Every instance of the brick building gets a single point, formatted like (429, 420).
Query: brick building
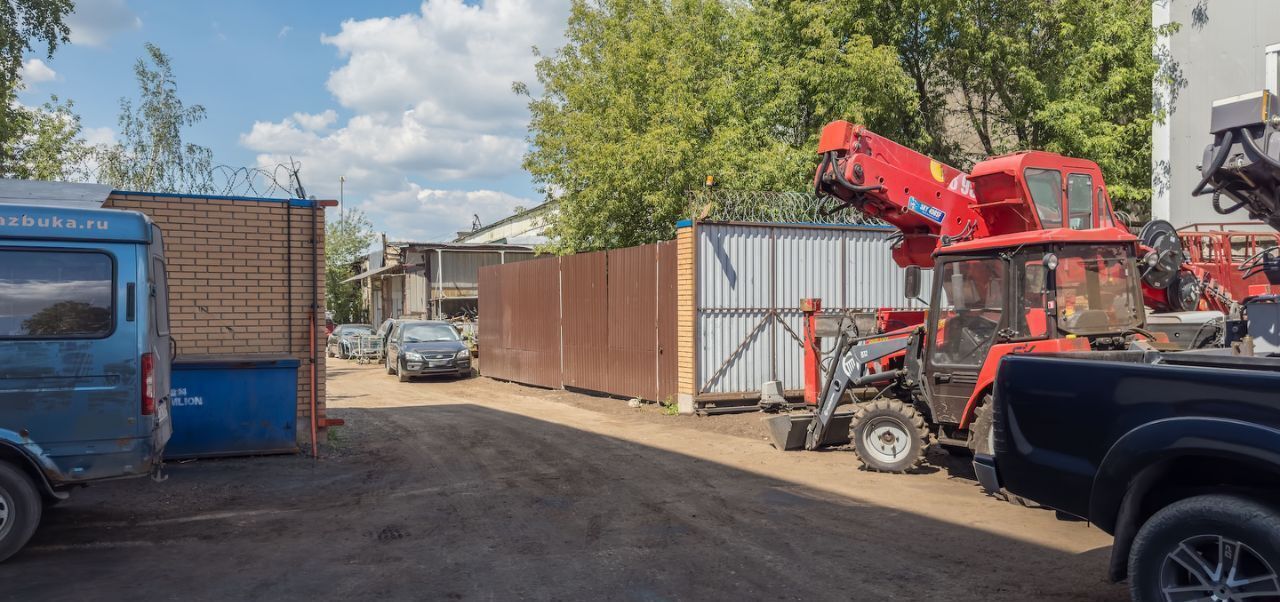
(244, 274)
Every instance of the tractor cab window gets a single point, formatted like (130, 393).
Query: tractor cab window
(1104, 210)
(971, 305)
(1080, 201)
(1096, 292)
(1030, 317)
(1045, 186)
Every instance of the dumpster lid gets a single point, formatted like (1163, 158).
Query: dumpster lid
(247, 360)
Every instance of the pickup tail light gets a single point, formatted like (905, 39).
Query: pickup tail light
(148, 384)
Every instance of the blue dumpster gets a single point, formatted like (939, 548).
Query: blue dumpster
(233, 407)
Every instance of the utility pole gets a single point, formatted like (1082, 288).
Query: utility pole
(342, 183)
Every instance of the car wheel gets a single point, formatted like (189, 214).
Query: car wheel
(401, 373)
(20, 510)
(890, 436)
(328, 350)
(386, 361)
(1208, 547)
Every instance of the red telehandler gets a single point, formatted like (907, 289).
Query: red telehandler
(1027, 257)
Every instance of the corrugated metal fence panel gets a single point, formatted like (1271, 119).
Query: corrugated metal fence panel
(416, 279)
(734, 266)
(584, 282)
(734, 354)
(808, 264)
(524, 343)
(874, 280)
(633, 321)
(750, 280)
(668, 336)
(491, 325)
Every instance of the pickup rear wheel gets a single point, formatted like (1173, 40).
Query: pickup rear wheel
(1209, 547)
(890, 436)
(20, 509)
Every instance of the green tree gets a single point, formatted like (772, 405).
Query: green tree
(151, 155)
(995, 76)
(50, 146)
(648, 97)
(22, 24)
(345, 241)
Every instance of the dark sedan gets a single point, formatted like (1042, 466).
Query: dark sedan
(341, 340)
(421, 348)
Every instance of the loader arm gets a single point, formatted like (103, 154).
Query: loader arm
(850, 370)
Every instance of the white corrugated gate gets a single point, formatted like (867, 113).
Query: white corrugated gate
(750, 279)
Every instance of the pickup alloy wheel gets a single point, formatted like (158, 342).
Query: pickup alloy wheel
(1210, 547)
(20, 510)
(889, 435)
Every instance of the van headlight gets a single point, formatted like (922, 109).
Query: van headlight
(464, 354)
(413, 356)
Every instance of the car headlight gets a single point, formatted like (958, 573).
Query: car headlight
(413, 357)
(464, 354)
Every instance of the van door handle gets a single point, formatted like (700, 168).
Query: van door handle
(130, 301)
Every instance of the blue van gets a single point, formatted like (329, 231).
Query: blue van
(85, 356)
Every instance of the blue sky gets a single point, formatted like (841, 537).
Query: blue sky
(410, 101)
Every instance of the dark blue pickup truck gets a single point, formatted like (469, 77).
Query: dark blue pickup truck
(85, 355)
(1175, 454)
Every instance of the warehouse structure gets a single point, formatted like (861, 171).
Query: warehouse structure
(427, 280)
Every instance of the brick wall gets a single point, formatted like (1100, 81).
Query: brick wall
(232, 290)
(686, 318)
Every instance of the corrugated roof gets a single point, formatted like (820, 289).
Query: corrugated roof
(53, 194)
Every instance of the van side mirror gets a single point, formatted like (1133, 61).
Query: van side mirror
(911, 282)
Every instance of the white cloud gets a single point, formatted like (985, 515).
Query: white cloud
(284, 31)
(424, 215)
(316, 121)
(431, 103)
(35, 71)
(102, 135)
(96, 21)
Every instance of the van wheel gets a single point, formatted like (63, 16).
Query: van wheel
(1209, 547)
(20, 510)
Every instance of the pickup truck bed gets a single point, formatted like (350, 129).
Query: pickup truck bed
(1115, 437)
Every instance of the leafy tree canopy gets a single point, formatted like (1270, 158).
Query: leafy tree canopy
(345, 241)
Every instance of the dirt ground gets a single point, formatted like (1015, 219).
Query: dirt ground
(481, 490)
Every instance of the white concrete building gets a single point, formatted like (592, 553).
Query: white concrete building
(1222, 48)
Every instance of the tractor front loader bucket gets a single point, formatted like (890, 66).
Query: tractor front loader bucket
(789, 431)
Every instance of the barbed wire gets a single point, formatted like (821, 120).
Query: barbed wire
(770, 207)
(228, 180)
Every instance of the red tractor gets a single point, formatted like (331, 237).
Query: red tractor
(1027, 257)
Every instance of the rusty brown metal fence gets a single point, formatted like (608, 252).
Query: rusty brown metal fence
(603, 321)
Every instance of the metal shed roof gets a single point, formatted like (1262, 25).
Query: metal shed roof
(53, 194)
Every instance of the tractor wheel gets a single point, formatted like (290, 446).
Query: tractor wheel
(982, 434)
(889, 435)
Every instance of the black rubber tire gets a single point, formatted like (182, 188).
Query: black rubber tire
(1252, 523)
(981, 431)
(907, 418)
(328, 351)
(401, 374)
(20, 495)
(387, 362)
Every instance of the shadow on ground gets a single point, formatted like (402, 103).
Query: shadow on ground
(464, 502)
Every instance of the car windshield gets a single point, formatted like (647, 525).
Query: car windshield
(355, 329)
(425, 333)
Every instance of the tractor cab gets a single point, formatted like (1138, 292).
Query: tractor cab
(1037, 190)
(1048, 290)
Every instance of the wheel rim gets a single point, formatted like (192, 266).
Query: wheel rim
(6, 515)
(886, 440)
(1217, 568)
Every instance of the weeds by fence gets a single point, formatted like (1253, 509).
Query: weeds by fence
(770, 207)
